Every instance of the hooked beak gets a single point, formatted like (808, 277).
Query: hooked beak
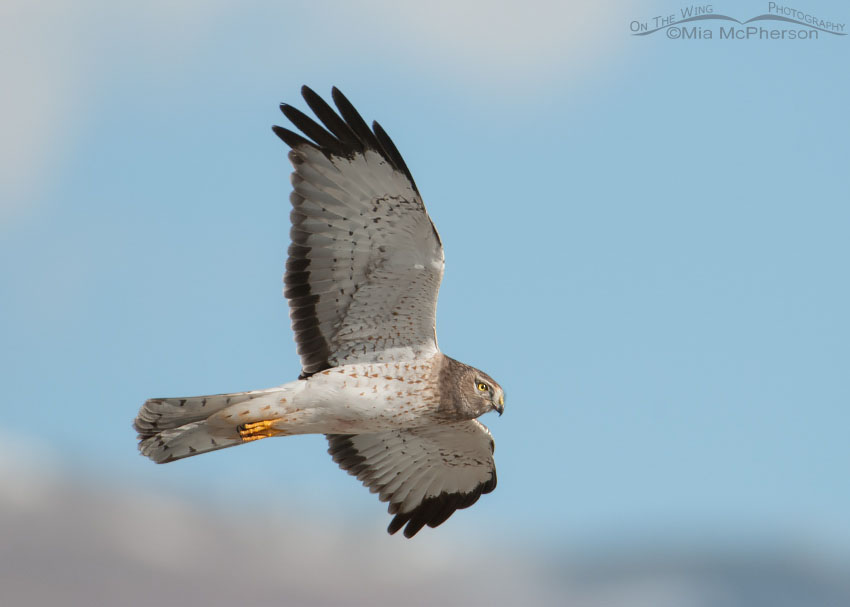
(500, 405)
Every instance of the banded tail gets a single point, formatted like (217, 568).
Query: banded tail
(173, 428)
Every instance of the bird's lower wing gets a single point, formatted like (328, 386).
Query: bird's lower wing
(425, 473)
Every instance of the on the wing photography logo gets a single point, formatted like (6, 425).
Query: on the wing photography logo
(701, 22)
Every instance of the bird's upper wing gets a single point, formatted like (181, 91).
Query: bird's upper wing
(365, 263)
(425, 473)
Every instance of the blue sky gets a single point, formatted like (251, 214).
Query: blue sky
(646, 245)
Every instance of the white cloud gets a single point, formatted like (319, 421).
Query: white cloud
(56, 57)
(93, 539)
(128, 545)
(502, 44)
(27, 473)
(39, 67)
(52, 55)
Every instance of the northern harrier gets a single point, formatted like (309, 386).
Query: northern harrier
(364, 269)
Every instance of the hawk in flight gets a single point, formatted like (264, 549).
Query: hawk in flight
(362, 277)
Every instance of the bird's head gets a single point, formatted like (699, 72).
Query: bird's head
(488, 392)
(467, 392)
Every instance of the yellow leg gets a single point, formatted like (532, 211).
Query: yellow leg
(258, 430)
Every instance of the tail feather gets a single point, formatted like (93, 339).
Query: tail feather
(173, 428)
(191, 439)
(158, 414)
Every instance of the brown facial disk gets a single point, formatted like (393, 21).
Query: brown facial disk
(466, 392)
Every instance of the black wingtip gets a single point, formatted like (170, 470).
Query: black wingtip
(290, 111)
(354, 121)
(290, 138)
(332, 121)
(342, 134)
(338, 97)
(395, 525)
(391, 152)
(309, 94)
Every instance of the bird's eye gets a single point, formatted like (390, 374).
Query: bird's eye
(482, 387)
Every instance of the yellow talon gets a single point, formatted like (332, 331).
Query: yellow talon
(258, 430)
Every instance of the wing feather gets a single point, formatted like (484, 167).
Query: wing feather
(330, 119)
(353, 119)
(365, 264)
(292, 139)
(326, 141)
(425, 473)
